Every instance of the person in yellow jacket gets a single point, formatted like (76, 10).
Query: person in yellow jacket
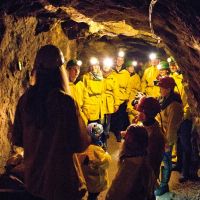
(147, 83)
(170, 119)
(110, 96)
(95, 162)
(78, 91)
(178, 77)
(134, 87)
(184, 147)
(119, 119)
(93, 81)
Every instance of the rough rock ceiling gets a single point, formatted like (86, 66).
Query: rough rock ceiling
(126, 24)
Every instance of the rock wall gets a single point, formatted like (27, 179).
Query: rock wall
(19, 44)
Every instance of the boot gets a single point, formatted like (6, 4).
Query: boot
(163, 188)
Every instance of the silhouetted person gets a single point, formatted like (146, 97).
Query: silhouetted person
(49, 128)
(134, 179)
(148, 108)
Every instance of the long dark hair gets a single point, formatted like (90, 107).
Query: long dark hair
(48, 78)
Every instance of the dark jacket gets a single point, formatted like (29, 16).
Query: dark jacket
(48, 151)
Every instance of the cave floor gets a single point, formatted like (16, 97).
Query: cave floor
(183, 191)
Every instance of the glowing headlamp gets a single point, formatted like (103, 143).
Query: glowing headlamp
(94, 61)
(134, 63)
(108, 62)
(152, 56)
(169, 60)
(121, 54)
(79, 63)
(159, 66)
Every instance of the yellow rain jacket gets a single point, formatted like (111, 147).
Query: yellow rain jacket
(179, 85)
(147, 84)
(122, 77)
(134, 87)
(78, 92)
(92, 106)
(95, 170)
(110, 97)
(180, 88)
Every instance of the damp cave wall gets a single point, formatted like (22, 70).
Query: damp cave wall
(19, 44)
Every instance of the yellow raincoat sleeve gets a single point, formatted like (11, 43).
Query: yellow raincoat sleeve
(126, 80)
(122, 78)
(175, 112)
(144, 82)
(85, 80)
(134, 86)
(116, 93)
(82, 96)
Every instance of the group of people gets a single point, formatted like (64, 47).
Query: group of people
(63, 126)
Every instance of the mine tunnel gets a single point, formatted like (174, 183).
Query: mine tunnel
(85, 29)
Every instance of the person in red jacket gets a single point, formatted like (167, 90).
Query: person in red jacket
(148, 108)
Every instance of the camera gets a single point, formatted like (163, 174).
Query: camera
(137, 98)
(155, 82)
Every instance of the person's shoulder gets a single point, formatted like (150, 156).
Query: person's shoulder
(124, 71)
(80, 84)
(135, 77)
(86, 75)
(61, 97)
(25, 95)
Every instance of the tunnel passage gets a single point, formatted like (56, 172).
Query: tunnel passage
(81, 28)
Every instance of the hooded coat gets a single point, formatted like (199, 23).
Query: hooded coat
(92, 106)
(110, 96)
(96, 169)
(134, 86)
(122, 77)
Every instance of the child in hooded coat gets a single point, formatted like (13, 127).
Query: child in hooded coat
(95, 162)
